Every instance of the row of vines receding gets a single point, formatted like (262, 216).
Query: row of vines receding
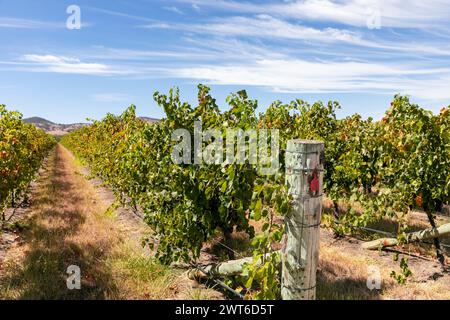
(23, 147)
(387, 167)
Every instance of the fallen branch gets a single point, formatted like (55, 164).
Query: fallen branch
(417, 236)
(223, 269)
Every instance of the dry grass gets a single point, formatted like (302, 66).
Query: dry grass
(342, 277)
(69, 225)
(343, 273)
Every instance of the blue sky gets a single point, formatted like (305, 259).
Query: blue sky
(358, 52)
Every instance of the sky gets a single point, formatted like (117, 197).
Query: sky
(67, 67)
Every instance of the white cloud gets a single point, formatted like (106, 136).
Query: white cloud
(49, 59)
(297, 76)
(62, 64)
(118, 14)
(16, 23)
(183, 53)
(173, 9)
(158, 25)
(394, 13)
(267, 26)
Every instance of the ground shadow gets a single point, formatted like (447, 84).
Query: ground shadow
(333, 285)
(41, 274)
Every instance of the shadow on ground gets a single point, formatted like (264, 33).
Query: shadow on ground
(41, 273)
(333, 284)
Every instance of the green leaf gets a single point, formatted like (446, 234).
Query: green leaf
(257, 210)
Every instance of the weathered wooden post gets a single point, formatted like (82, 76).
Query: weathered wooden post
(300, 254)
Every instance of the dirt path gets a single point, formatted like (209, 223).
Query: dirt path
(68, 223)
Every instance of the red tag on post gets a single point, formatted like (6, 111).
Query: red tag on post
(314, 187)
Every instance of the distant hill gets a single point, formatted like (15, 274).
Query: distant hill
(39, 121)
(54, 128)
(62, 129)
(149, 120)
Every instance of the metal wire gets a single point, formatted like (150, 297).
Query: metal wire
(303, 170)
(299, 198)
(303, 225)
(300, 289)
(229, 248)
(300, 152)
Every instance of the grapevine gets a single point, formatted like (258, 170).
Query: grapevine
(386, 166)
(22, 150)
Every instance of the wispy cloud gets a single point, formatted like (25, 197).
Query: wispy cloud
(300, 76)
(309, 46)
(62, 64)
(119, 14)
(111, 97)
(394, 13)
(173, 9)
(268, 27)
(265, 26)
(278, 72)
(181, 54)
(17, 23)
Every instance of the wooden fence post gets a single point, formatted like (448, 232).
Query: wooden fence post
(300, 254)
